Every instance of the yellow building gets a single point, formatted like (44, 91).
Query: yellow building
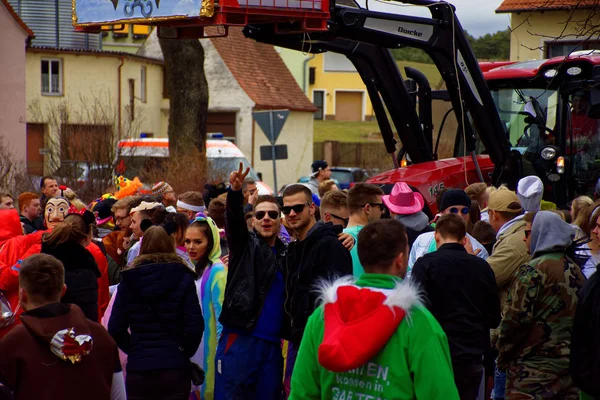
(545, 29)
(80, 103)
(337, 90)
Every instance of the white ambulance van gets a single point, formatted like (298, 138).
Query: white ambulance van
(137, 155)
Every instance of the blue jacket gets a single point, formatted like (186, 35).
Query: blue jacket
(157, 301)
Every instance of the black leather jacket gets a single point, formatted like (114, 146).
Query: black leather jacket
(252, 268)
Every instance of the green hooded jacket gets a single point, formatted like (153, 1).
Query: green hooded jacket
(372, 340)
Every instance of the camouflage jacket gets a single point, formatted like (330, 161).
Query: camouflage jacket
(536, 328)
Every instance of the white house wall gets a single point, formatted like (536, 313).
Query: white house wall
(297, 134)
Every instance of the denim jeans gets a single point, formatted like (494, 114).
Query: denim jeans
(499, 384)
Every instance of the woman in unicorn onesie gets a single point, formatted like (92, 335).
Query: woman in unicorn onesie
(202, 242)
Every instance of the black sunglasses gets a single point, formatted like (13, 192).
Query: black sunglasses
(380, 205)
(527, 233)
(340, 218)
(261, 214)
(464, 210)
(297, 208)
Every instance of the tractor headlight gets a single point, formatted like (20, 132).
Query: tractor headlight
(548, 153)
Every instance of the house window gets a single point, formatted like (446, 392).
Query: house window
(52, 77)
(143, 84)
(564, 48)
(319, 101)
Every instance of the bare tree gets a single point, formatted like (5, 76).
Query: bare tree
(188, 171)
(82, 141)
(13, 172)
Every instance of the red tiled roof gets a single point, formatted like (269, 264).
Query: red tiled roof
(16, 17)
(261, 73)
(544, 5)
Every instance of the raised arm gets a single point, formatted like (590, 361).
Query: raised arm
(236, 228)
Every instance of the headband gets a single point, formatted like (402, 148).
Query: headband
(190, 207)
(592, 214)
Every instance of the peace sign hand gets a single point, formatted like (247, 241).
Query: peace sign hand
(236, 178)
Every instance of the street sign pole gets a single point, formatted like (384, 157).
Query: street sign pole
(271, 122)
(272, 137)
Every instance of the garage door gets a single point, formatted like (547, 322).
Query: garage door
(348, 106)
(221, 122)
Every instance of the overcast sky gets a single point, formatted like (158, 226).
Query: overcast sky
(476, 16)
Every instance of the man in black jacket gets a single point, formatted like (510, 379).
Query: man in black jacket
(249, 363)
(316, 255)
(462, 295)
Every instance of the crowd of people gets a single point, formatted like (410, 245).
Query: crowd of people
(320, 293)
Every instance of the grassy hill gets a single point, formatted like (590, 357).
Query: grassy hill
(346, 131)
(430, 71)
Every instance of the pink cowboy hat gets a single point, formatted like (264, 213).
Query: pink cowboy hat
(403, 200)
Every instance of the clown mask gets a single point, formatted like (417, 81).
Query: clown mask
(55, 212)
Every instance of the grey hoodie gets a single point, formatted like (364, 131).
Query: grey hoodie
(550, 233)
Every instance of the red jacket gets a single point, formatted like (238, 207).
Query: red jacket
(15, 249)
(10, 225)
(21, 247)
(103, 292)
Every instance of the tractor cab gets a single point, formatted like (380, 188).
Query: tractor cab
(550, 111)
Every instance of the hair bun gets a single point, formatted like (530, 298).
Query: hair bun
(88, 217)
(170, 227)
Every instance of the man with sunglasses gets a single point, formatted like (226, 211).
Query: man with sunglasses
(317, 255)
(334, 208)
(365, 205)
(454, 201)
(248, 362)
